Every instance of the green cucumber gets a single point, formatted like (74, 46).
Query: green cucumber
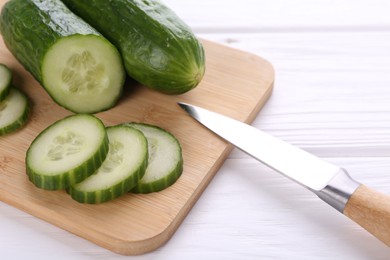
(158, 49)
(67, 152)
(14, 111)
(123, 167)
(165, 163)
(5, 81)
(79, 68)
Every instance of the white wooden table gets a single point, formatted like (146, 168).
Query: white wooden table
(331, 97)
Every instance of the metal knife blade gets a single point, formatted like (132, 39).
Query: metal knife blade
(289, 160)
(365, 206)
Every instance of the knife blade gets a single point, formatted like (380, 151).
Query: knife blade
(367, 207)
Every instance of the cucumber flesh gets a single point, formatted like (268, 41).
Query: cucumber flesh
(14, 111)
(5, 81)
(67, 152)
(123, 167)
(165, 163)
(83, 73)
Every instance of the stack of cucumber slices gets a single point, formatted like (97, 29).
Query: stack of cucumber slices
(96, 164)
(14, 105)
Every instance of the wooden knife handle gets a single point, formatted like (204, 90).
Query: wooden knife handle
(371, 210)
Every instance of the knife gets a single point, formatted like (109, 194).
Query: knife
(367, 207)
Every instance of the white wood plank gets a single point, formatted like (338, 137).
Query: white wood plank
(221, 16)
(331, 97)
(276, 215)
(247, 212)
(331, 93)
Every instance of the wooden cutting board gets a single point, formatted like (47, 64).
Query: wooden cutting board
(236, 84)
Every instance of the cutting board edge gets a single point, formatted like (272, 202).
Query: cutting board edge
(152, 243)
(129, 248)
(147, 245)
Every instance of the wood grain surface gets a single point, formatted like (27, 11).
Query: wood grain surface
(370, 209)
(236, 84)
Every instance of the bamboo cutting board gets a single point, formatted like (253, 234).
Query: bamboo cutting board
(236, 84)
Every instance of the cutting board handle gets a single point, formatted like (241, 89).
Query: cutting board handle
(371, 210)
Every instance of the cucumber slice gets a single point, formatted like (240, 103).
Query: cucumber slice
(67, 152)
(124, 165)
(165, 163)
(5, 81)
(14, 111)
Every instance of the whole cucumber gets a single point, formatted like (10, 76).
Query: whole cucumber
(79, 68)
(158, 49)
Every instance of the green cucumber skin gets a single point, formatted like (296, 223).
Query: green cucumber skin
(162, 183)
(107, 194)
(78, 174)
(31, 27)
(5, 92)
(21, 121)
(121, 188)
(158, 49)
(63, 181)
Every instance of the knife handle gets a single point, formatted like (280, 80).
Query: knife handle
(371, 210)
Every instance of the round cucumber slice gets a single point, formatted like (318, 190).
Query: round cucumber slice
(5, 81)
(67, 152)
(165, 163)
(123, 167)
(83, 73)
(14, 111)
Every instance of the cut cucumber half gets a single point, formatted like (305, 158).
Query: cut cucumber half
(79, 68)
(83, 73)
(165, 163)
(14, 111)
(67, 152)
(5, 81)
(123, 167)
